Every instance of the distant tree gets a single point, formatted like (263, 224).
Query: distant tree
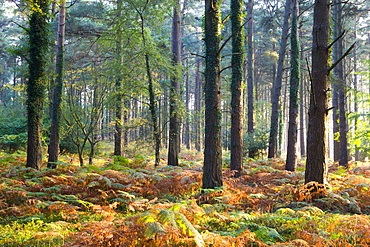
(293, 94)
(212, 168)
(236, 142)
(339, 88)
(174, 131)
(119, 116)
(149, 73)
(250, 73)
(57, 89)
(276, 90)
(316, 166)
(38, 48)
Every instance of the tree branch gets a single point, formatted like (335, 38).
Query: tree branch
(341, 58)
(340, 36)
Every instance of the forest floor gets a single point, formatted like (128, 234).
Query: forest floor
(128, 202)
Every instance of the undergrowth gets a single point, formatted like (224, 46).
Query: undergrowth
(126, 202)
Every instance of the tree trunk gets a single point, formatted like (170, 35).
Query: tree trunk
(118, 122)
(197, 107)
(336, 85)
(340, 82)
(355, 88)
(236, 142)
(173, 146)
(250, 70)
(275, 97)
(57, 90)
(302, 113)
(316, 167)
(152, 101)
(212, 169)
(38, 48)
(293, 94)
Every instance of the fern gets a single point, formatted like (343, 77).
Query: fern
(154, 228)
(107, 181)
(117, 186)
(268, 235)
(168, 216)
(93, 184)
(125, 194)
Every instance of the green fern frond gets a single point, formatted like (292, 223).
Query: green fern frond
(126, 194)
(154, 228)
(118, 186)
(168, 216)
(268, 235)
(107, 181)
(93, 184)
(147, 217)
(187, 227)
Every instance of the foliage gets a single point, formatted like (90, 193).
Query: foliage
(125, 202)
(13, 133)
(258, 140)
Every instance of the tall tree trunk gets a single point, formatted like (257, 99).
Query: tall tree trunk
(236, 158)
(152, 100)
(38, 48)
(336, 85)
(293, 95)
(186, 130)
(57, 89)
(197, 107)
(153, 111)
(316, 167)
(302, 113)
(355, 88)
(250, 70)
(340, 82)
(276, 92)
(118, 122)
(212, 169)
(174, 140)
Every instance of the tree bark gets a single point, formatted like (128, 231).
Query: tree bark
(236, 142)
(38, 48)
(212, 168)
(355, 88)
(302, 112)
(57, 89)
(341, 85)
(197, 107)
(316, 167)
(174, 139)
(276, 94)
(118, 122)
(250, 72)
(293, 94)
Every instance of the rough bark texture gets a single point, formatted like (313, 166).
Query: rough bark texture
(340, 81)
(173, 145)
(197, 107)
(152, 100)
(118, 122)
(57, 90)
(316, 167)
(276, 91)
(355, 88)
(38, 47)
(336, 83)
(250, 73)
(293, 94)
(302, 113)
(236, 141)
(212, 168)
